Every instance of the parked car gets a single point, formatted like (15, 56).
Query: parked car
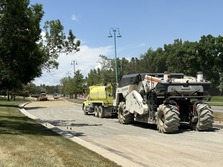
(56, 96)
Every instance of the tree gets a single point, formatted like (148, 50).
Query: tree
(78, 83)
(19, 32)
(73, 86)
(30, 89)
(94, 77)
(133, 66)
(23, 53)
(57, 42)
(20, 56)
(174, 54)
(152, 61)
(103, 75)
(107, 71)
(67, 88)
(210, 54)
(160, 61)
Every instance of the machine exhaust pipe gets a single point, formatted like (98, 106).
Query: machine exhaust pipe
(200, 76)
(166, 76)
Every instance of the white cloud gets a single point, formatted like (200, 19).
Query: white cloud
(43, 35)
(87, 58)
(74, 18)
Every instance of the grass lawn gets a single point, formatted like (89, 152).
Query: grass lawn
(216, 101)
(25, 143)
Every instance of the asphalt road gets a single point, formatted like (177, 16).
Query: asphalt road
(139, 143)
(217, 108)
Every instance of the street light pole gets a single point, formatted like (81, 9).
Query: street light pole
(118, 36)
(74, 62)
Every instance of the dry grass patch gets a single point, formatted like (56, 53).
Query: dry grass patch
(218, 116)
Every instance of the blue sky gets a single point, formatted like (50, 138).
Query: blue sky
(142, 23)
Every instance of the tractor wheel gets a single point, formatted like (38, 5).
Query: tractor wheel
(96, 113)
(205, 117)
(124, 116)
(101, 112)
(85, 110)
(167, 118)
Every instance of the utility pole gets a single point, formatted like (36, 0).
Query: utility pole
(115, 30)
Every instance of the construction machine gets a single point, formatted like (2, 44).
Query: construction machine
(42, 97)
(165, 99)
(99, 102)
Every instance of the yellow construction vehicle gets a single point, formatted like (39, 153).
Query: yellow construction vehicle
(100, 101)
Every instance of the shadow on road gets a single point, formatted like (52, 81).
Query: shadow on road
(67, 133)
(33, 108)
(145, 125)
(182, 128)
(69, 123)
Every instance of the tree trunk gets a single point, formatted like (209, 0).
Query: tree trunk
(8, 95)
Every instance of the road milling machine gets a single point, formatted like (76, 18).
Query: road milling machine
(165, 99)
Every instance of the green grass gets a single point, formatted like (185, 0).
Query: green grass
(216, 101)
(25, 143)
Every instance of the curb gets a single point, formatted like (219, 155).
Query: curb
(23, 104)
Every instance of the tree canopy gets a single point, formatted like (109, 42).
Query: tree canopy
(186, 57)
(21, 57)
(73, 86)
(24, 53)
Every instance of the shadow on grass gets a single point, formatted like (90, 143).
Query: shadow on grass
(22, 125)
(9, 105)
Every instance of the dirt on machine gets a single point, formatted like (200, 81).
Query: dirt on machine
(100, 102)
(165, 99)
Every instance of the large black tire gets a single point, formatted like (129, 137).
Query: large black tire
(124, 116)
(205, 117)
(85, 110)
(101, 112)
(96, 114)
(167, 118)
